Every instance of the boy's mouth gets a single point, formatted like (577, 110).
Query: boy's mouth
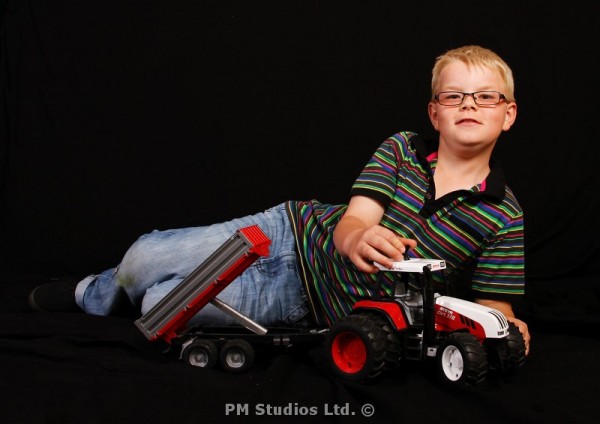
(467, 121)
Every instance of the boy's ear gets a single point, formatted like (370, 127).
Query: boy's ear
(432, 111)
(510, 116)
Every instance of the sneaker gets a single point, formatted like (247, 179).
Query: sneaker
(57, 296)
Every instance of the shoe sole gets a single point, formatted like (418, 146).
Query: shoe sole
(31, 301)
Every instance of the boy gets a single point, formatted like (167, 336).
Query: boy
(439, 199)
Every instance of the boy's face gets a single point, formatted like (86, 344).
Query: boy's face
(469, 128)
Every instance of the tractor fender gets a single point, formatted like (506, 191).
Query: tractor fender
(392, 310)
(452, 314)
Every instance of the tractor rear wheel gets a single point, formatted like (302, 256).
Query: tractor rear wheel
(358, 346)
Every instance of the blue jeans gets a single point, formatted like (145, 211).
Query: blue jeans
(270, 291)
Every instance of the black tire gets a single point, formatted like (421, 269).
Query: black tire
(359, 346)
(506, 355)
(393, 350)
(237, 356)
(461, 359)
(515, 347)
(201, 353)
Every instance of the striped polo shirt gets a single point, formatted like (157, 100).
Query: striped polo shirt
(478, 232)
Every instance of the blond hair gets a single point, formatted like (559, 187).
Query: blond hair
(475, 56)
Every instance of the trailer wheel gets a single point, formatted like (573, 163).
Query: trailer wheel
(357, 347)
(237, 356)
(201, 353)
(461, 359)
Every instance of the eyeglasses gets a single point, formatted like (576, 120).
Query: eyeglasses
(482, 98)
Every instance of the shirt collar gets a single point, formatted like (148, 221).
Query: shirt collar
(495, 183)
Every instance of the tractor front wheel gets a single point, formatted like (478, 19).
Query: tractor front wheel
(461, 359)
(515, 346)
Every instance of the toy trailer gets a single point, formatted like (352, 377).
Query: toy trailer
(169, 316)
(233, 346)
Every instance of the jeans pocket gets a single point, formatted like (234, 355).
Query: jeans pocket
(297, 316)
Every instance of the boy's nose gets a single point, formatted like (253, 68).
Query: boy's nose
(468, 100)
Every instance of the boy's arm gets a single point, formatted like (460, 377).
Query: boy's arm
(507, 310)
(359, 237)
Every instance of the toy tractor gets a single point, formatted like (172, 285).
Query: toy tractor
(414, 323)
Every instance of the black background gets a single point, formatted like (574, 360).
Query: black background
(122, 116)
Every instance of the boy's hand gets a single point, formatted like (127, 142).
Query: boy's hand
(377, 244)
(359, 237)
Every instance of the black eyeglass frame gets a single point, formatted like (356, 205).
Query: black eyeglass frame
(464, 95)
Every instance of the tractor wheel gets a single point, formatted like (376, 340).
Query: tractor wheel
(357, 346)
(237, 356)
(506, 355)
(515, 349)
(461, 359)
(201, 353)
(393, 352)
